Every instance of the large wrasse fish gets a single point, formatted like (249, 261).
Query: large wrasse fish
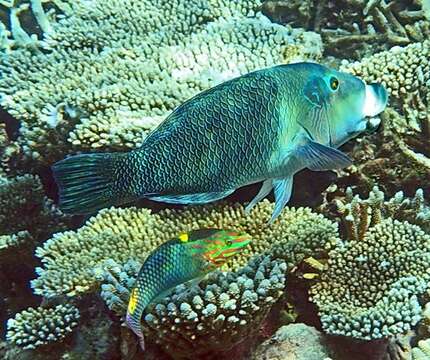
(188, 257)
(264, 126)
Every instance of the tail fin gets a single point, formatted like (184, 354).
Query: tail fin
(86, 182)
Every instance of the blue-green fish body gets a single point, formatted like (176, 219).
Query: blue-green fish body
(263, 126)
(190, 256)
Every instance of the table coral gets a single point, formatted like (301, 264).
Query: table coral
(371, 287)
(35, 327)
(354, 28)
(117, 85)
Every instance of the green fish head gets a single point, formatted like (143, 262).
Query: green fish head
(339, 105)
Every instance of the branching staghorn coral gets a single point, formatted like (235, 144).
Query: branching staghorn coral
(28, 22)
(359, 214)
(372, 285)
(99, 85)
(40, 326)
(358, 26)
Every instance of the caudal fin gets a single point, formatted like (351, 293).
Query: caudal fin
(87, 182)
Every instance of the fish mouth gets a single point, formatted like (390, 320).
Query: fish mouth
(375, 100)
(368, 125)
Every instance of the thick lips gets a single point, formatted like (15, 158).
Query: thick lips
(375, 100)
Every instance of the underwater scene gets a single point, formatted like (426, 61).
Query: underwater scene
(215, 179)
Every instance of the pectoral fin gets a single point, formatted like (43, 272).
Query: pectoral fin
(200, 198)
(319, 157)
(266, 188)
(283, 189)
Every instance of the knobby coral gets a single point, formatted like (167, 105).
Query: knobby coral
(371, 287)
(35, 327)
(214, 315)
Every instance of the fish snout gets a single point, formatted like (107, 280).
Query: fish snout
(376, 99)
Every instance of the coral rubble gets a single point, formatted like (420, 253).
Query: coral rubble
(299, 341)
(353, 28)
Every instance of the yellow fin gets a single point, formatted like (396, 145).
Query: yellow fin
(134, 297)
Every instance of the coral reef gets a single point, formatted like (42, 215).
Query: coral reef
(354, 28)
(212, 316)
(35, 327)
(370, 289)
(107, 252)
(371, 286)
(68, 258)
(117, 85)
(100, 75)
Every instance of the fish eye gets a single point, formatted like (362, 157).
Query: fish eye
(334, 83)
(228, 242)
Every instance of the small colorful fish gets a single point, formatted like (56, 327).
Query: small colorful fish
(188, 257)
(263, 126)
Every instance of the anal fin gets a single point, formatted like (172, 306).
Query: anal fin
(199, 198)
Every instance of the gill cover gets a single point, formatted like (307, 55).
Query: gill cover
(314, 122)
